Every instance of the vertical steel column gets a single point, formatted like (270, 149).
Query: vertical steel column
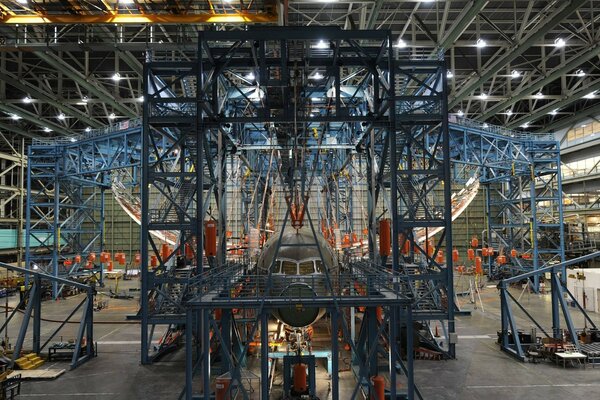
(56, 228)
(534, 227)
(205, 334)
(264, 355)
(335, 383)
(189, 364)
(37, 315)
(559, 193)
(447, 210)
(144, 193)
(393, 344)
(410, 352)
(28, 219)
(21, 203)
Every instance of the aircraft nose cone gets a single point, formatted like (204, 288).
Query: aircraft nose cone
(298, 314)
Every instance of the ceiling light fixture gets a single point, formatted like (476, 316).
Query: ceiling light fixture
(27, 100)
(460, 113)
(485, 126)
(449, 74)
(15, 117)
(88, 129)
(140, 99)
(400, 43)
(85, 99)
(515, 74)
(483, 96)
(554, 112)
(525, 125)
(317, 76)
(539, 95)
(509, 112)
(46, 129)
(322, 45)
(590, 95)
(559, 42)
(250, 76)
(112, 116)
(116, 77)
(61, 116)
(481, 43)
(580, 73)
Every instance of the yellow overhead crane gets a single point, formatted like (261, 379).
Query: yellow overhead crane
(113, 13)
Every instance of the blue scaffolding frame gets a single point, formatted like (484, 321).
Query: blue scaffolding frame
(522, 177)
(66, 184)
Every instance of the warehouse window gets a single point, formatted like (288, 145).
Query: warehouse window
(582, 131)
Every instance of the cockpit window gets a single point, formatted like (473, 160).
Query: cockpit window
(289, 268)
(318, 266)
(307, 267)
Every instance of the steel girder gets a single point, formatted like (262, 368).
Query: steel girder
(565, 9)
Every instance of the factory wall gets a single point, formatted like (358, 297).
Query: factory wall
(587, 290)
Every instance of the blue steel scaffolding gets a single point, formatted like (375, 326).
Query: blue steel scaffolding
(521, 174)
(66, 184)
(308, 93)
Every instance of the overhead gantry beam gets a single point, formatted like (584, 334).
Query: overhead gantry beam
(208, 18)
(555, 105)
(48, 98)
(99, 91)
(565, 9)
(586, 55)
(36, 119)
(465, 18)
(578, 116)
(17, 130)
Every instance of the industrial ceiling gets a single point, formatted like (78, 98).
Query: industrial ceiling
(68, 66)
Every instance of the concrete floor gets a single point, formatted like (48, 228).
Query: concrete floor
(481, 370)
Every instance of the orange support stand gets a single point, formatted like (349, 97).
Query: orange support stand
(478, 268)
(300, 385)
(379, 388)
(210, 238)
(470, 254)
(385, 238)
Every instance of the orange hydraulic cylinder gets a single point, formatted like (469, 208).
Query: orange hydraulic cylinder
(110, 266)
(165, 251)
(379, 388)
(210, 238)
(513, 253)
(478, 268)
(429, 247)
(222, 389)
(440, 257)
(300, 385)
(474, 242)
(78, 258)
(470, 254)
(455, 256)
(189, 252)
(385, 238)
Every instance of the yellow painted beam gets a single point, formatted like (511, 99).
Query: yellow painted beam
(140, 18)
